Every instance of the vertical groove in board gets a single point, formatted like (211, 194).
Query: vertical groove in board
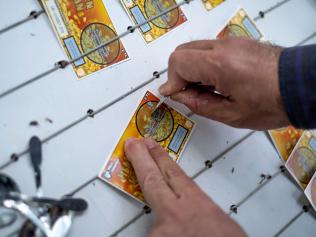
(234, 207)
(270, 9)
(30, 81)
(82, 186)
(292, 220)
(31, 16)
(131, 221)
(308, 38)
(231, 147)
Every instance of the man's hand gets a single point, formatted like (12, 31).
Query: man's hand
(181, 208)
(243, 71)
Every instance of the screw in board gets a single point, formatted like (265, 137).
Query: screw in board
(90, 112)
(306, 208)
(34, 14)
(282, 168)
(261, 14)
(131, 29)
(263, 177)
(147, 209)
(208, 164)
(156, 74)
(14, 157)
(234, 208)
(62, 64)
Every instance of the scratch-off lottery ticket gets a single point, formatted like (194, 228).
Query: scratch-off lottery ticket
(168, 127)
(82, 25)
(284, 140)
(241, 25)
(210, 4)
(302, 161)
(310, 191)
(142, 10)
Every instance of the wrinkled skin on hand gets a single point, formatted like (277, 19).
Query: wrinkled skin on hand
(181, 208)
(243, 71)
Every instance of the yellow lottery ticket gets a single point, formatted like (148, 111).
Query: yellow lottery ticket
(302, 161)
(142, 10)
(82, 25)
(310, 191)
(167, 126)
(285, 139)
(210, 4)
(241, 25)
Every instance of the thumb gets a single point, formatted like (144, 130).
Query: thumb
(190, 66)
(203, 103)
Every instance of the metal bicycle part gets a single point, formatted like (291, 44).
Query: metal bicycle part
(60, 222)
(26, 211)
(7, 184)
(66, 203)
(7, 217)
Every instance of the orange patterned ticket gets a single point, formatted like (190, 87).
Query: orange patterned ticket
(210, 4)
(241, 25)
(82, 25)
(285, 139)
(142, 10)
(166, 125)
(302, 161)
(310, 191)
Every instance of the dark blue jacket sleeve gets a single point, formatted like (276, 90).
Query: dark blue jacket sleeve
(297, 78)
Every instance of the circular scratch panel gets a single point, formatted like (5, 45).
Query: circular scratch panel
(96, 34)
(158, 124)
(155, 7)
(236, 31)
(303, 164)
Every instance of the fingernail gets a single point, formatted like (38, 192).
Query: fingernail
(162, 89)
(150, 143)
(129, 140)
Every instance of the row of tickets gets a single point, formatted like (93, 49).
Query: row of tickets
(297, 149)
(167, 126)
(83, 25)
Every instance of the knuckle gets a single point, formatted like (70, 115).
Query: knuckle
(194, 106)
(181, 46)
(173, 57)
(153, 180)
(134, 146)
(173, 213)
(158, 153)
(174, 171)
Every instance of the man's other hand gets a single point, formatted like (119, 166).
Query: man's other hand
(180, 206)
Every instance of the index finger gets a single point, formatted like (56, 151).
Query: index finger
(190, 66)
(179, 182)
(151, 181)
(198, 44)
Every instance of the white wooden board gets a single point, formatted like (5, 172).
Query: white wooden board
(76, 155)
